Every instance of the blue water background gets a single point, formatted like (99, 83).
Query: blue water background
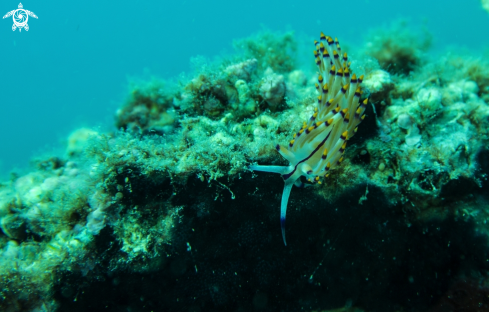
(72, 67)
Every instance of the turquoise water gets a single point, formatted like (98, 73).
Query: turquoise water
(182, 211)
(71, 68)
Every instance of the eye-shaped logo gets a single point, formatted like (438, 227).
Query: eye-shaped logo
(20, 17)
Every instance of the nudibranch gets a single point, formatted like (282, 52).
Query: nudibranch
(319, 145)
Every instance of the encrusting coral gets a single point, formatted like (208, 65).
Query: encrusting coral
(321, 142)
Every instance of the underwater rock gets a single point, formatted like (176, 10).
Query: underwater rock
(272, 89)
(78, 140)
(149, 106)
(404, 121)
(244, 96)
(271, 50)
(242, 70)
(14, 227)
(397, 49)
(170, 216)
(378, 81)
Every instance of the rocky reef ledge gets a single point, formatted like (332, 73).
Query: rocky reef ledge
(164, 214)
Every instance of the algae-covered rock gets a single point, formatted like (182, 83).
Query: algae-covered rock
(398, 50)
(163, 213)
